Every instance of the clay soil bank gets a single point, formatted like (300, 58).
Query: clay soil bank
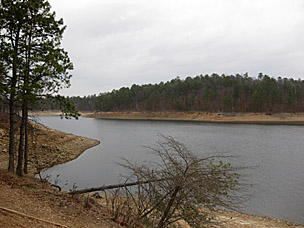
(47, 147)
(28, 202)
(241, 118)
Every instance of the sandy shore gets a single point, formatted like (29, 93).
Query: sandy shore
(248, 118)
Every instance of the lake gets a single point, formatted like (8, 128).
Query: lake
(277, 152)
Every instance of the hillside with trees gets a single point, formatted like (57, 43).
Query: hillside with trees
(208, 93)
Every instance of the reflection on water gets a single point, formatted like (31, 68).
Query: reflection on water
(278, 183)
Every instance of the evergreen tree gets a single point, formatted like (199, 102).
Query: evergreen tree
(33, 62)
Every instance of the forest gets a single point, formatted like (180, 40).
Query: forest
(208, 93)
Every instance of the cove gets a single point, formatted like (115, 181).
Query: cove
(276, 151)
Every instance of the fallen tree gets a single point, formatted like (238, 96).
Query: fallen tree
(113, 186)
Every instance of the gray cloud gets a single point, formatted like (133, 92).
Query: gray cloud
(115, 43)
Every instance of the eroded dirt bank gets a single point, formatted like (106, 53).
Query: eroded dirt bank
(47, 147)
(248, 118)
(28, 202)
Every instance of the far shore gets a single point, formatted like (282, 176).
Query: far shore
(236, 118)
(53, 113)
(233, 118)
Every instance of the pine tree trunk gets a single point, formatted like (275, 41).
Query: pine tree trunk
(21, 142)
(11, 166)
(25, 140)
(26, 83)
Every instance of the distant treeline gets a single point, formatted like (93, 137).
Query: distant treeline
(209, 93)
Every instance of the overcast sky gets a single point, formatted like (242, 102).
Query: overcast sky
(116, 43)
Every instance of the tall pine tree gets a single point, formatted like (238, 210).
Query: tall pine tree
(34, 64)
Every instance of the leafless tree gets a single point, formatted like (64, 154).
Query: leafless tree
(181, 186)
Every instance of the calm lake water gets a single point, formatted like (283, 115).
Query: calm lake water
(277, 183)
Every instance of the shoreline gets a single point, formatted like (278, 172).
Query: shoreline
(203, 117)
(62, 147)
(58, 147)
(229, 118)
(54, 113)
(47, 147)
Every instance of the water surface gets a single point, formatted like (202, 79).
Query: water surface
(278, 183)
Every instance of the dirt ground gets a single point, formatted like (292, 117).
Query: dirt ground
(229, 219)
(27, 202)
